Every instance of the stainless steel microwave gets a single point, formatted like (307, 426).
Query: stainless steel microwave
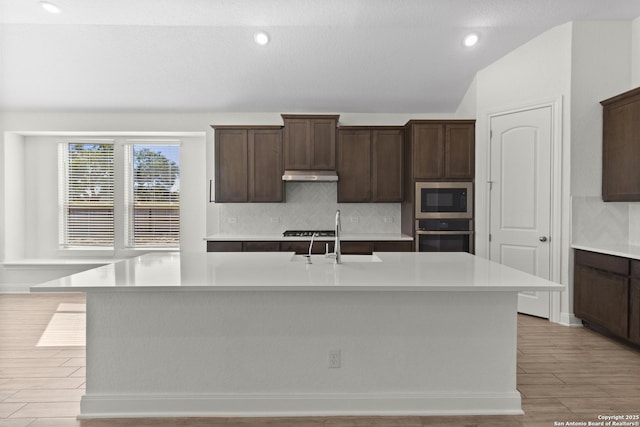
(444, 200)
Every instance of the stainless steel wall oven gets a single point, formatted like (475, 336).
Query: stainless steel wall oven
(444, 235)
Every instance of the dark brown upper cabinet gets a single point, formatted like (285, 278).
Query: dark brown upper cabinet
(248, 164)
(370, 164)
(310, 141)
(441, 150)
(621, 147)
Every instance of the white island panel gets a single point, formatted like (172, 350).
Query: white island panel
(267, 354)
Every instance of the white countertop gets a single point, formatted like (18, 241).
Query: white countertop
(394, 271)
(622, 249)
(279, 237)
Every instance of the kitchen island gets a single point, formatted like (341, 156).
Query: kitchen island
(266, 334)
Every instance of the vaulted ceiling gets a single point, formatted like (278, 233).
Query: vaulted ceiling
(366, 56)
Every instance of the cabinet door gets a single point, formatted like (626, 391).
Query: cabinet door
(323, 144)
(602, 298)
(231, 174)
(387, 166)
(354, 166)
(297, 144)
(459, 156)
(428, 151)
(621, 151)
(265, 166)
(634, 311)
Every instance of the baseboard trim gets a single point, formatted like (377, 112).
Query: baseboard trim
(569, 319)
(296, 405)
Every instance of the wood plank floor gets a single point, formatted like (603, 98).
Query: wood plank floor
(564, 374)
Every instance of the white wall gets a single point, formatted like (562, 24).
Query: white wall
(13, 224)
(601, 69)
(467, 109)
(635, 52)
(30, 227)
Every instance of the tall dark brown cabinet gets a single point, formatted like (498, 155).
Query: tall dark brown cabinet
(621, 147)
(442, 150)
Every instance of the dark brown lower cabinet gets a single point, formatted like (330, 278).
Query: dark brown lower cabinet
(319, 247)
(392, 246)
(261, 246)
(303, 247)
(634, 311)
(605, 296)
(634, 303)
(213, 246)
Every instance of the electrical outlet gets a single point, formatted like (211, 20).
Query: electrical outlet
(334, 358)
(275, 220)
(232, 219)
(354, 219)
(388, 220)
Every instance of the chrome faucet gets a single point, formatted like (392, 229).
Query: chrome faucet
(308, 257)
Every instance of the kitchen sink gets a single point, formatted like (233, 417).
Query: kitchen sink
(346, 259)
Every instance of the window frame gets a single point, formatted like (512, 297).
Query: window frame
(129, 193)
(122, 177)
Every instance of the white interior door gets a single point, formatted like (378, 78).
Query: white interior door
(520, 198)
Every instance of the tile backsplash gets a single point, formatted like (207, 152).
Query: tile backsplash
(309, 206)
(598, 223)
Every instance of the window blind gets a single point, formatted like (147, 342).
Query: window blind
(154, 196)
(88, 195)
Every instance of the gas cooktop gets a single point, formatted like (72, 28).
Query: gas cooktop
(309, 233)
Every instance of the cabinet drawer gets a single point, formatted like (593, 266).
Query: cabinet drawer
(356, 248)
(634, 311)
(610, 263)
(261, 246)
(384, 246)
(224, 246)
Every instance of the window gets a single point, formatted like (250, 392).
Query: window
(145, 196)
(153, 199)
(87, 199)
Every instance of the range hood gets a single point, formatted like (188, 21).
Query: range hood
(309, 175)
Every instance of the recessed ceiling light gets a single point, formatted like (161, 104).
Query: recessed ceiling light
(471, 40)
(50, 7)
(261, 38)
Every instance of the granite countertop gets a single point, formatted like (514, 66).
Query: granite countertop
(620, 249)
(279, 237)
(285, 271)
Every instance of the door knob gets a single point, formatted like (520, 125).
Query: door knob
(543, 238)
